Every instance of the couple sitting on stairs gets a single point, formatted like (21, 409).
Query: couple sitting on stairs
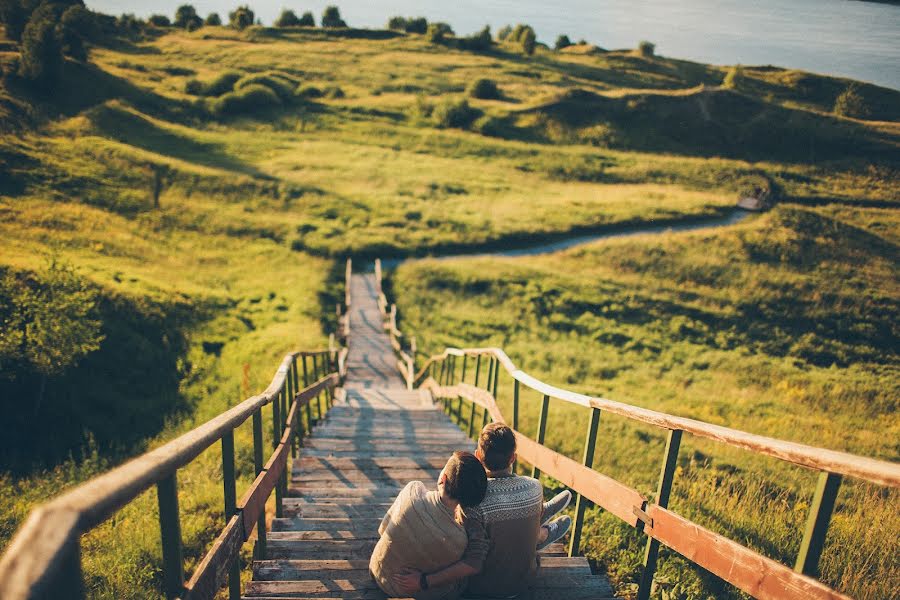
(476, 536)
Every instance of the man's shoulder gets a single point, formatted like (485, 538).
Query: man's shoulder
(516, 483)
(512, 498)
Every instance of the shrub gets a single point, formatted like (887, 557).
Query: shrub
(504, 33)
(646, 49)
(331, 17)
(194, 87)
(455, 113)
(241, 17)
(186, 17)
(42, 57)
(562, 41)
(734, 78)
(528, 40)
(307, 20)
(14, 17)
(251, 99)
(159, 20)
(308, 91)
(397, 23)
(850, 103)
(287, 18)
(486, 89)
(282, 87)
(213, 20)
(417, 25)
(223, 83)
(438, 32)
(479, 42)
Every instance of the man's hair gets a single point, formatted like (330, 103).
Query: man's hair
(497, 443)
(465, 479)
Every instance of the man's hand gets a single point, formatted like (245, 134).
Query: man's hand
(407, 581)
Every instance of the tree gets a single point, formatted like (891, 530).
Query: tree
(14, 17)
(485, 89)
(47, 324)
(241, 17)
(159, 21)
(397, 23)
(213, 20)
(438, 32)
(504, 33)
(42, 57)
(287, 18)
(332, 17)
(186, 17)
(850, 103)
(528, 40)
(562, 41)
(647, 49)
(307, 20)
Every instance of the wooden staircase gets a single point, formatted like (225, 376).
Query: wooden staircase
(377, 437)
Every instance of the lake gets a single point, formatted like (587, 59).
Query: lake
(847, 38)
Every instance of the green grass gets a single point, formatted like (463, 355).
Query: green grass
(783, 326)
(237, 264)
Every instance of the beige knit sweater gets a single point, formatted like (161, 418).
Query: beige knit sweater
(418, 532)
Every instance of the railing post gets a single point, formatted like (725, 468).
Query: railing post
(477, 369)
(459, 411)
(542, 427)
(580, 503)
(292, 391)
(378, 274)
(817, 524)
(441, 375)
(490, 374)
(309, 421)
(228, 482)
(471, 419)
(515, 416)
(170, 532)
(663, 491)
(465, 359)
(496, 377)
(258, 465)
(276, 438)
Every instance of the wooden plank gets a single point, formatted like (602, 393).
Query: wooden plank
(747, 570)
(253, 502)
(212, 571)
(604, 491)
(386, 462)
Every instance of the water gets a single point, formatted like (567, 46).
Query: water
(848, 38)
(736, 216)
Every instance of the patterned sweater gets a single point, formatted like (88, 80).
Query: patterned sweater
(511, 513)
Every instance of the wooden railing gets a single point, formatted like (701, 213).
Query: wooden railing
(746, 569)
(43, 559)
(404, 348)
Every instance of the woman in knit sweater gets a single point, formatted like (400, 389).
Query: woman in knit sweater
(428, 532)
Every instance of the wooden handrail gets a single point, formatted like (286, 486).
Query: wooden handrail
(868, 469)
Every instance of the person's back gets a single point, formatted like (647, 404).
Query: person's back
(511, 514)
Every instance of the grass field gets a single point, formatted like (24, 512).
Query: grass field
(783, 326)
(236, 261)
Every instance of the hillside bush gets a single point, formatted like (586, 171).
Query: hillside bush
(562, 41)
(455, 113)
(159, 21)
(307, 20)
(186, 17)
(283, 87)
(528, 40)
(308, 91)
(646, 49)
(850, 103)
(331, 18)
(213, 20)
(504, 33)
(241, 18)
(223, 83)
(438, 32)
(478, 42)
(42, 48)
(485, 89)
(287, 18)
(248, 100)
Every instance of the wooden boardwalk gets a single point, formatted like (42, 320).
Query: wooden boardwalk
(376, 438)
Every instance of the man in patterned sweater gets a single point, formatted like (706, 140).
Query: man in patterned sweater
(512, 512)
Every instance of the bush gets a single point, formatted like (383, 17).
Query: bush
(213, 20)
(850, 103)
(333, 92)
(308, 91)
(479, 42)
(287, 18)
(528, 39)
(241, 18)
(307, 20)
(562, 41)
(222, 84)
(397, 23)
(283, 87)
(331, 17)
(734, 78)
(42, 56)
(159, 20)
(14, 17)
(647, 49)
(186, 17)
(504, 33)
(437, 32)
(455, 113)
(251, 99)
(485, 89)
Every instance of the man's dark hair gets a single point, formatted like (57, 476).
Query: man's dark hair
(465, 479)
(497, 443)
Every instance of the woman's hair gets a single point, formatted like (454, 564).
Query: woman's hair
(465, 479)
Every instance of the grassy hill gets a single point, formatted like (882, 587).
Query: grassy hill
(203, 188)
